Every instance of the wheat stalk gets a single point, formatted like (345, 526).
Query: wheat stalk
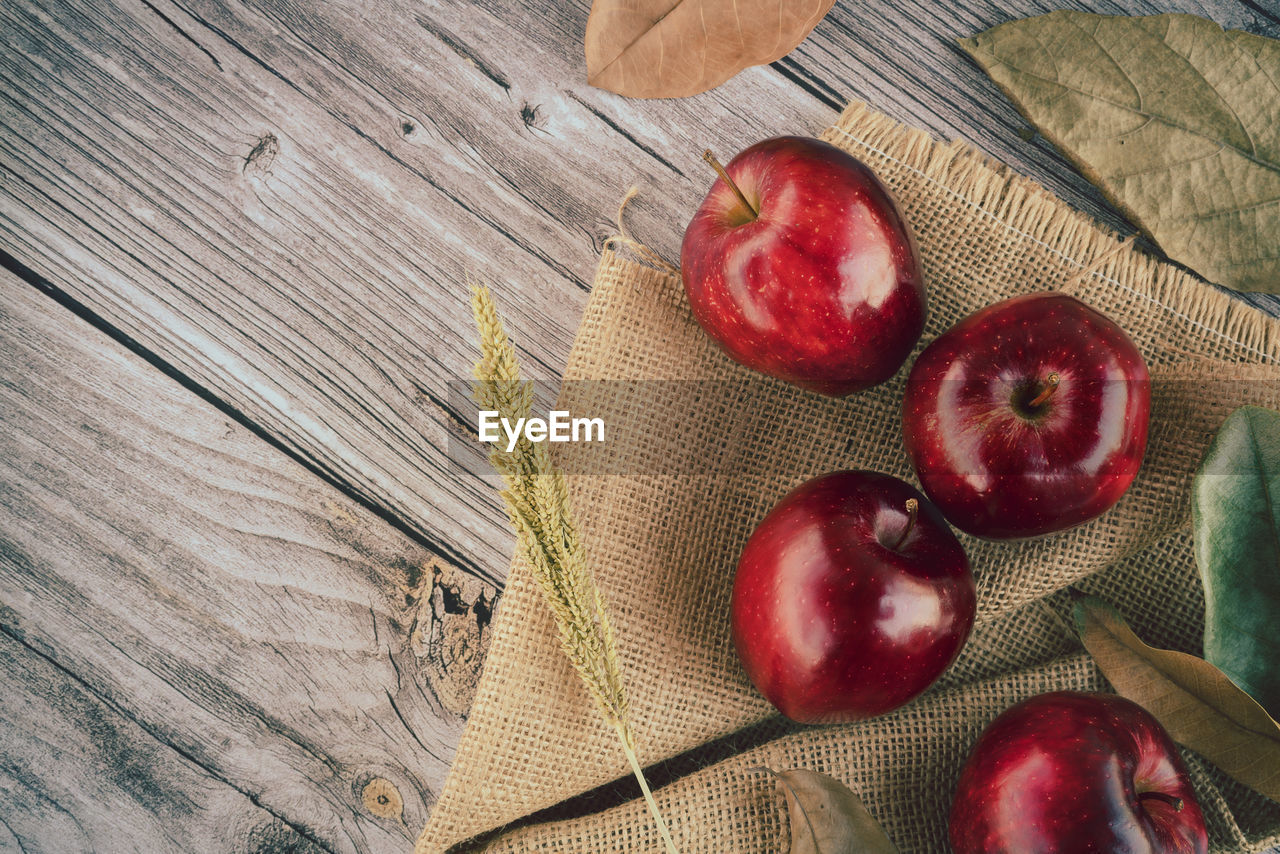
(537, 502)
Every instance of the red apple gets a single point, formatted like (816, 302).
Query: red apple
(1027, 417)
(851, 597)
(1069, 772)
(807, 271)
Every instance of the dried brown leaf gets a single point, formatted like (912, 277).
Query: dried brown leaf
(675, 48)
(828, 818)
(1175, 119)
(1199, 706)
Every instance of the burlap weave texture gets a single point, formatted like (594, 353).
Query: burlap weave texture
(664, 545)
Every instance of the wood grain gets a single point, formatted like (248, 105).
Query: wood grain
(203, 646)
(93, 779)
(281, 199)
(315, 285)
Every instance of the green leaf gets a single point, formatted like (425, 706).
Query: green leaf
(1236, 519)
(1195, 701)
(1175, 120)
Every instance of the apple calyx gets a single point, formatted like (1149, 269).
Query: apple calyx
(1171, 800)
(752, 213)
(912, 507)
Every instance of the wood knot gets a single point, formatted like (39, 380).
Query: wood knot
(451, 634)
(382, 798)
(259, 159)
(531, 116)
(412, 130)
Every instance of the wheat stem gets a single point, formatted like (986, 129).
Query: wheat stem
(537, 502)
(624, 734)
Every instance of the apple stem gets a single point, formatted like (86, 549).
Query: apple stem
(913, 510)
(1050, 386)
(1171, 800)
(715, 164)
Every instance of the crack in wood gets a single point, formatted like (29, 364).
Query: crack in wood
(327, 474)
(180, 31)
(278, 837)
(16, 838)
(1272, 16)
(469, 56)
(617, 128)
(450, 633)
(16, 635)
(809, 82)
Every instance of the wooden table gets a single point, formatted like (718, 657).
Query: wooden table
(243, 592)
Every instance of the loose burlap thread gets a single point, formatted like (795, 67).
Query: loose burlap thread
(664, 546)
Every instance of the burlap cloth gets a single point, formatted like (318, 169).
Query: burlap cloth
(664, 546)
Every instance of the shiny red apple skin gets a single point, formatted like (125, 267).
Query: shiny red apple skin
(998, 470)
(1061, 773)
(824, 288)
(832, 619)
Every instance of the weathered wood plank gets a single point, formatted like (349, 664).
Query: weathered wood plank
(289, 284)
(281, 198)
(202, 645)
(900, 55)
(77, 774)
(315, 285)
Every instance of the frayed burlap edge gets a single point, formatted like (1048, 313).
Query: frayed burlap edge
(1024, 206)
